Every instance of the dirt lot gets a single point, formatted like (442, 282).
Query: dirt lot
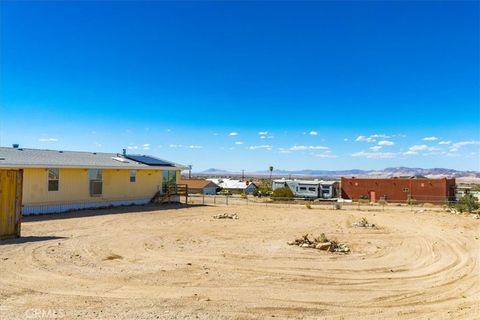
(144, 263)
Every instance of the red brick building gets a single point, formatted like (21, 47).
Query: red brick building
(399, 189)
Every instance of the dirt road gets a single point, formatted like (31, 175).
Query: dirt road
(183, 264)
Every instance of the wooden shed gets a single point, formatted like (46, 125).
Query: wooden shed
(10, 203)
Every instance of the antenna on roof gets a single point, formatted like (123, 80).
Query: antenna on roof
(124, 152)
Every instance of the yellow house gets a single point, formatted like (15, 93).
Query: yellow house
(58, 181)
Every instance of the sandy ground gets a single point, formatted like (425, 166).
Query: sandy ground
(145, 263)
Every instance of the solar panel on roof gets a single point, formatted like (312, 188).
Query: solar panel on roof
(149, 160)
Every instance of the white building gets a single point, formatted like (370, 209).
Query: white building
(309, 188)
(235, 185)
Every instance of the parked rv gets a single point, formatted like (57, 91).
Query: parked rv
(308, 188)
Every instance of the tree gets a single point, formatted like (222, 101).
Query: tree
(282, 193)
(467, 203)
(271, 171)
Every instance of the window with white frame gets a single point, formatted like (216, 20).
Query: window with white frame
(133, 175)
(96, 182)
(53, 179)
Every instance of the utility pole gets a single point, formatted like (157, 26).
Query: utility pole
(189, 171)
(243, 174)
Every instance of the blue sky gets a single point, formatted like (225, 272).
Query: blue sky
(245, 85)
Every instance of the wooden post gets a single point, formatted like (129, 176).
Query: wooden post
(18, 203)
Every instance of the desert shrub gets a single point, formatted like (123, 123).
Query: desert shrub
(382, 202)
(467, 203)
(475, 187)
(363, 201)
(282, 193)
(264, 189)
(308, 205)
(411, 201)
(338, 206)
(243, 195)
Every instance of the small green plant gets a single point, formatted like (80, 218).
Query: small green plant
(467, 203)
(243, 196)
(321, 239)
(382, 202)
(308, 205)
(411, 201)
(338, 206)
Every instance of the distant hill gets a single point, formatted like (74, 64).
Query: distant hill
(387, 172)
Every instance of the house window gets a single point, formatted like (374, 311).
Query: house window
(133, 175)
(96, 182)
(53, 179)
(312, 189)
(303, 188)
(168, 178)
(405, 190)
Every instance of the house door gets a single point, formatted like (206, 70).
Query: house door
(372, 196)
(10, 203)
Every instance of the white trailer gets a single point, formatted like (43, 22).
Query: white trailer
(308, 188)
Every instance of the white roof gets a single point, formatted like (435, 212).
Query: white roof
(312, 182)
(229, 183)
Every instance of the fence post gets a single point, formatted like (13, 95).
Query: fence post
(226, 199)
(203, 199)
(215, 199)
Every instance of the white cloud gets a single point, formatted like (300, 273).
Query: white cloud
(313, 133)
(146, 146)
(263, 146)
(346, 139)
(48, 139)
(445, 142)
(383, 136)
(365, 139)
(419, 147)
(184, 146)
(238, 142)
(385, 143)
(300, 148)
(263, 133)
(283, 150)
(452, 154)
(430, 139)
(232, 134)
(132, 147)
(372, 138)
(457, 145)
(375, 155)
(375, 148)
(326, 154)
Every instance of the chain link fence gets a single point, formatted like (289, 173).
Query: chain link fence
(439, 202)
